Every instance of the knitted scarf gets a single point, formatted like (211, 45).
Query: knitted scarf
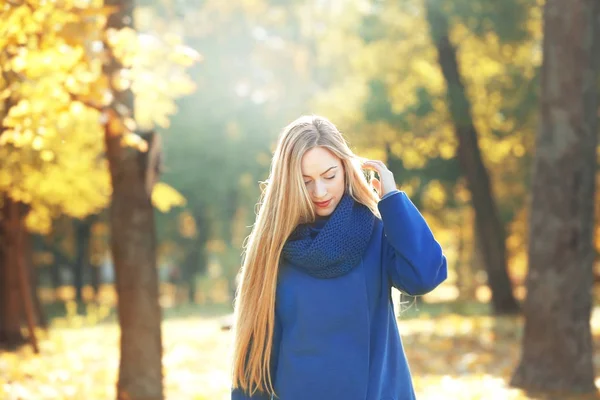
(338, 245)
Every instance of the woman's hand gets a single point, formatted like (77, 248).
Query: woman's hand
(387, 183)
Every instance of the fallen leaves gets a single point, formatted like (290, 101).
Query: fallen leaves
(451, 357)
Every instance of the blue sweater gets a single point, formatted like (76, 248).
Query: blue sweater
(338, 338)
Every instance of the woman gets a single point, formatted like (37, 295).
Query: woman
(314, 316)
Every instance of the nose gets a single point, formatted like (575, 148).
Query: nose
(320, 190)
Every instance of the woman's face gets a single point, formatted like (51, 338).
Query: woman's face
(324, 177)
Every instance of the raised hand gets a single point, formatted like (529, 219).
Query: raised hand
(387, 183)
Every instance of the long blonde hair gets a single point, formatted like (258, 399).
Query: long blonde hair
(284, 203)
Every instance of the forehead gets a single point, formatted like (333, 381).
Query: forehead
(317, 160)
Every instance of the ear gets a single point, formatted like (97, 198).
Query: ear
(377, 185)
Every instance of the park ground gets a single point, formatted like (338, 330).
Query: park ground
(455, 352)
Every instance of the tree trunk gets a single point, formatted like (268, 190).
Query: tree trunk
(465, 266)
(83, 231)
(55, 276)
(190, 267)
(197, 258)
(133, 243)
(95, 279)
(41, 319)
(557, 344)
(16, 299)
(489, 227)
(10, 301)
(17, 213)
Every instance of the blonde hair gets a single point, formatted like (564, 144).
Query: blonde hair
(284, 203)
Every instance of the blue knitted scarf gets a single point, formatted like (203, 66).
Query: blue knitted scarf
(337, 247)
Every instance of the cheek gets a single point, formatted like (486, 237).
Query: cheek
(340, 184)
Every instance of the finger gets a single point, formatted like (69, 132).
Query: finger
(377, 163)
(371, 165)
(381, 164)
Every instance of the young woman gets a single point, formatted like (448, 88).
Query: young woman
(314, 318)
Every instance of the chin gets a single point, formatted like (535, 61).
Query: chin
(325, 212)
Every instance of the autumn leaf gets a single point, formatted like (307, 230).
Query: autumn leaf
(450, 356)
(164, 197)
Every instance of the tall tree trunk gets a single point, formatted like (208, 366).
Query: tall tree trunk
(197, 259)
(10, 309)
(465, 267)
(94, 257)
(16, 301)
(30, 248)
(557, 344)
(17, 213)
(83, 232)
(10, 302)
(189, 273)
(55, 276)
(489, 226)
(133, 243)
(95, 279)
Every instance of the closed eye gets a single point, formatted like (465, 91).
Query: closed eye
(327, 177)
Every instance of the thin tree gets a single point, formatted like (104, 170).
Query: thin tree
(488, 225)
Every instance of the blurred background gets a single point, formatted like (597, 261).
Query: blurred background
(170, 110)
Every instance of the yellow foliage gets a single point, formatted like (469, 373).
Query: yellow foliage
(50, 144)
(158, 70)
(51, 91)
(39, 220)
(487, 68)
(187, 225)
(169, 253)
(164, 197)
(413, 66)
(133, 140)
(434, 196)
(216, 246)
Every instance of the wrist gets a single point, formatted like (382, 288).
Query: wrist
(388, 194)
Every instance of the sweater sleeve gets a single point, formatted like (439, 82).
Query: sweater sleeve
(238, 394)
(413, 259)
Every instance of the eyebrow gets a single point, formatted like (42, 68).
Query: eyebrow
(328, 169)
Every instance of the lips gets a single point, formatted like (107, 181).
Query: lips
(323, 204)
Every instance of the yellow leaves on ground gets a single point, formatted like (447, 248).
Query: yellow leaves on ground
(451, 356)
(83, 364)
(472, 353)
